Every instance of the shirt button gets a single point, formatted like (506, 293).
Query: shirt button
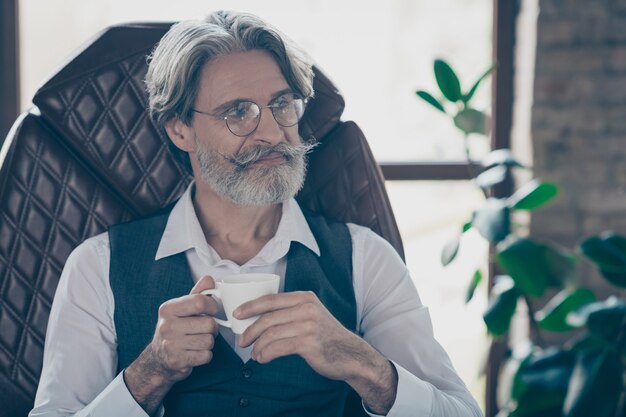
(243, 402)
(246, 373)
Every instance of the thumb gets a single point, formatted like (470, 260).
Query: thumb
(205, 283)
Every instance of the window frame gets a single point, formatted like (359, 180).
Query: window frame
(9, 70)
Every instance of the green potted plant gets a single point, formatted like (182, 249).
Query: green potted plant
(583, 376)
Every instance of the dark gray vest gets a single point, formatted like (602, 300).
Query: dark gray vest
(226, 386)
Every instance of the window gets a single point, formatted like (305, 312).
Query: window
(428, 214)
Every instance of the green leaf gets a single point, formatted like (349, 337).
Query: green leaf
(580, 317)
(534, 266)
(616, 240)
(431, 100)
(518, 387)
(547, 370)
(502, 305)
(533, 195)
(447, 81)
(587, 343)
(467, 226)
(608, 252)
(605, 251)
(616, 278)
(562, 263)
(604, 319)
(541, 406)
(541, 382)
(492, 176)
(595, 386)
(476, 278)
(493, 220)
(467, 97)
(500, 157)
(450, 249)
(524, 261)
(553, 315)
(471, 121)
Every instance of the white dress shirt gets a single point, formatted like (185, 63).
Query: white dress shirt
(80, 358)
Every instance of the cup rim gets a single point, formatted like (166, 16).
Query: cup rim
(247, 278)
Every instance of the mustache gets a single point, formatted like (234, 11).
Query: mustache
(248, 157)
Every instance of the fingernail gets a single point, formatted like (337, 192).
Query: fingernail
(236, 312)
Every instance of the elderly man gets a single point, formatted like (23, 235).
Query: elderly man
(130, 333)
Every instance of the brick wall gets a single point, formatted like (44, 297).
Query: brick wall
(578, 123)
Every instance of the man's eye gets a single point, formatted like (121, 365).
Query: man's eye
(282, 102)
(240, 111)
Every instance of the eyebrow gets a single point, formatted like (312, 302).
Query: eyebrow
(231, 103)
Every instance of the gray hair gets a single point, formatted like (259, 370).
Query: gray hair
(177, 61)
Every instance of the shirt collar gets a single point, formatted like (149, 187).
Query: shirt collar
(183, 231)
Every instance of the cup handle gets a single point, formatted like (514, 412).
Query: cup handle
(215, 291)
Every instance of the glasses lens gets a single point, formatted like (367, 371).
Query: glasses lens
(288, 109)
(243, 118)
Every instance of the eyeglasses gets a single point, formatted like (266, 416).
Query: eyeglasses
(244, 117)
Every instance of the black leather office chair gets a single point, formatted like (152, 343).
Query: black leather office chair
(88, 156)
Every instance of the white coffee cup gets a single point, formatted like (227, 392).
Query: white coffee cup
(234, 290)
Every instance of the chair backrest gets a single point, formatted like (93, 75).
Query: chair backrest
(88, 156)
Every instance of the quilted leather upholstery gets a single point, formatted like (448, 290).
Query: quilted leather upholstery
(88, 156)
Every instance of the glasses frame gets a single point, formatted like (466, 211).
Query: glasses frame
(270, 106)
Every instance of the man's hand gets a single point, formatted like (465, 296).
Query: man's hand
(183, 339)
(298, 323)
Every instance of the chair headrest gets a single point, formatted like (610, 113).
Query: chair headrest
(117, 54)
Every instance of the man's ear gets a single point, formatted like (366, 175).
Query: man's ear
(180, 134)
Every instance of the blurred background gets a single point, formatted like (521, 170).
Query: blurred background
(559, 93)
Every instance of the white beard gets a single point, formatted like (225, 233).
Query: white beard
(236, 178)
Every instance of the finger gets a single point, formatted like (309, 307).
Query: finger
(198, 342)
(277, 349)
(197, 325)
(195, 358)
(188, 305)
(272, 319)
(273, 302)
(276, 333)
(205, 283)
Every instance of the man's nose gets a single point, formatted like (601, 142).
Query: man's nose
(268, 130)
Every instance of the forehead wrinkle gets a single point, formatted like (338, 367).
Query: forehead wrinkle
(251, 76)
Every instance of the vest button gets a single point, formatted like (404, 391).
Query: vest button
(246, 373)
(244, 402)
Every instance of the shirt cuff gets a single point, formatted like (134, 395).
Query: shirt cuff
(116, 400)
(414, 397)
